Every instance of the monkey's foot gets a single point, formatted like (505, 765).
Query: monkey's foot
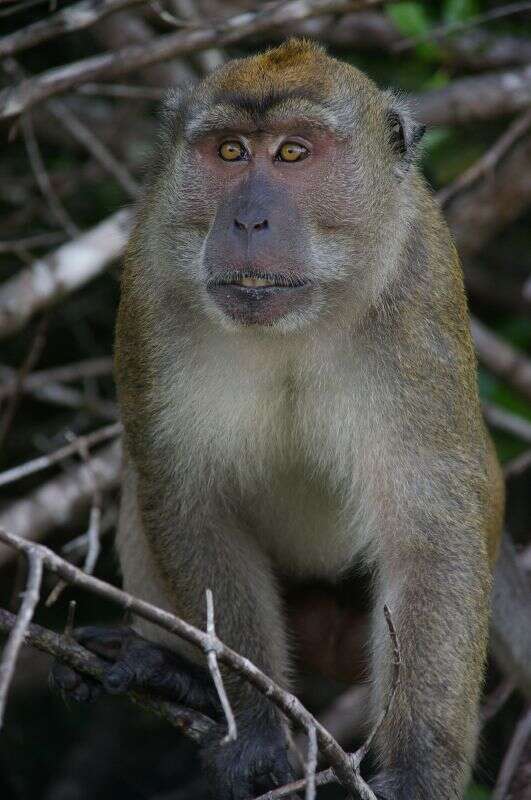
(135, 663)
(256, 762)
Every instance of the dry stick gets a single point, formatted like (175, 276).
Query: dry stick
(62, 271)
(345, 769)
(33, 355)
(17, 99)
(192, 723)
(89, 368)
(501, 358)
(512, 757)
(18, 632)
(496, 700)
(43, 181)
(60, 395)
(311, 764)
(489, 160)
(506, 421)
(516, 466)
(476, 98)
(62, 499)
(74, 18)
(232, 731)
(30, 242)
(43, 462)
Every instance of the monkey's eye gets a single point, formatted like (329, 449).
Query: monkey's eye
(232, 151)
(292, 151)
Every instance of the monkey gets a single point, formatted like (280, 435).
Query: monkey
(298, 390)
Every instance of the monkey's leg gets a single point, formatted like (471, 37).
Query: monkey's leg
(135, 663)
(436, 586)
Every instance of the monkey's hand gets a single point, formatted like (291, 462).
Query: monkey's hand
(134, 663)
(254, 763)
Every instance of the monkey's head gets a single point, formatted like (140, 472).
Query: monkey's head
(283, 192)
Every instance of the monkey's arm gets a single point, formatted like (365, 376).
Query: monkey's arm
(195, 546)
(433, 573)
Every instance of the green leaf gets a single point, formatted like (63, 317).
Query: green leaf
(410, 18)
(459, 10)
(477, 793)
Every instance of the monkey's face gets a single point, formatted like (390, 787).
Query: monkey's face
(287, 178)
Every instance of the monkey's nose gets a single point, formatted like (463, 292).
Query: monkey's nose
(251, 225)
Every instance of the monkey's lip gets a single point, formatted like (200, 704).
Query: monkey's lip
(259, 299)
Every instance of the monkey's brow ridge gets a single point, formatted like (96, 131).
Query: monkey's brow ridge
(229, 109)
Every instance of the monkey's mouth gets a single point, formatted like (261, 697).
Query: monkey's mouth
(262, 280)
(253, 298)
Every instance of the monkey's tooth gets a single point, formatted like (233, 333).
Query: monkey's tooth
(254, 283)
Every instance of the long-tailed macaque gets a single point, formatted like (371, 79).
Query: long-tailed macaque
(298, 390)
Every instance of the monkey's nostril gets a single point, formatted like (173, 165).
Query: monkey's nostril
(261, 226)
(240, 226)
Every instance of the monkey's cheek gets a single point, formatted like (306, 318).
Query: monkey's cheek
(260, 306)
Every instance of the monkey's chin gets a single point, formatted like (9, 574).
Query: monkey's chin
(264, 305)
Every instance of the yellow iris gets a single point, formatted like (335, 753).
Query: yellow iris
(292, 151)
(231, 151)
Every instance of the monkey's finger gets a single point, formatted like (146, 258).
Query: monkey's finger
(73, 685)
(109, 643)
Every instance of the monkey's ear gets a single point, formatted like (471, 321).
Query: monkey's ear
(404, 132)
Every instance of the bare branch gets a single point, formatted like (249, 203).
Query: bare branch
(512, 757)
(496, 700)
(43, 181)
(192, 723)
(90, 368)
(506, 421)
(23, 619)
(43, 462)
(311, 764)
(62, 272)
(62, 499)
(484, 167)
(502, 359)
(232, 732)
(73, 18)
(17, 99)
(516, 466)
(475, 98)
(345, 771)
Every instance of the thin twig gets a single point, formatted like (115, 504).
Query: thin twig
(232, 731)
(43, 462)
(512, 757)
(23, 619)
(311, 764)
(488, 161)
(73, 18)
(33, 355)
(68, 373)
(501, 358)
(43, 181)
(328, 776)
(496, 700)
